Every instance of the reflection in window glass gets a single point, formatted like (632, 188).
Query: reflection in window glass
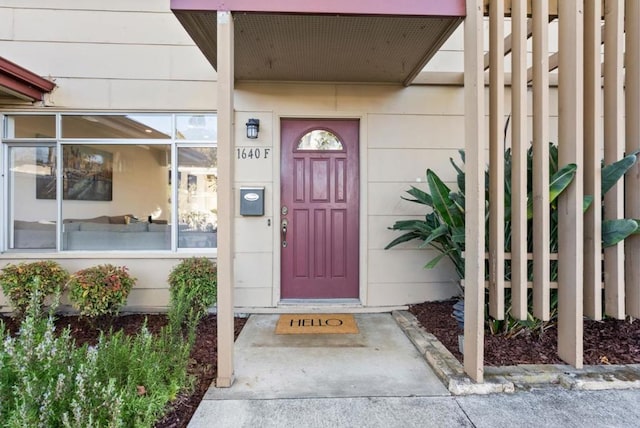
(319, 139)
(32, 215)
(197, 127)
(197, 197)
(30, 126)
(116, 126)
(128, 187)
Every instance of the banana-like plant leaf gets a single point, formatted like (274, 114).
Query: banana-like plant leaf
(437, 233)
(557, 184)
(561, 180)
(421, 197)
(588, 200)
(459, 200)
(612, 173)
(433, 262)
(460, 177)
(458, 235)
(407, 224)
(614, 231)
(401, 239)
(441, 203)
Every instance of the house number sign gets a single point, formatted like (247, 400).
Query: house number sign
(244, 153)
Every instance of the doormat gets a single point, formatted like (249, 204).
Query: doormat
(317, 324)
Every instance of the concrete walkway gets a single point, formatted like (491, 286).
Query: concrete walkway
(379, 361)
(378, 379)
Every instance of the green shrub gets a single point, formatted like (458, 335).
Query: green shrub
(192, 287)
(123, 381)
(19, 282)
(100, 290)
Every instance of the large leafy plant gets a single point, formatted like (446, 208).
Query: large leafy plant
(443, 228)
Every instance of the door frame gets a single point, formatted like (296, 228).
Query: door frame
(363, 212)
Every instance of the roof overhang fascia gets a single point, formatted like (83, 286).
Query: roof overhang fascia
(22, 83)
(438, 17)
(349, 7)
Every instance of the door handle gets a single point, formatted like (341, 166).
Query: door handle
(284, 225)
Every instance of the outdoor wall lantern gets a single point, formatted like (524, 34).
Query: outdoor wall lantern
(253, 126)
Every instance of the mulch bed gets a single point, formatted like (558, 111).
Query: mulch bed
(605, 342)
(202, 364)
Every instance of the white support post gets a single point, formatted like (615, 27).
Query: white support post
(614, 150)
(541, 221)
(474, 182)
(519, 145)
(592, 157)
(496, 160)
(632, 179)
(225, 200)
(570, 203)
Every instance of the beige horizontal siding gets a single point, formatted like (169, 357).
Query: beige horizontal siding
(253, 270)
(253, 235)
(6, 24)
(396, 99)
(253, 297)
(254, 170)
(393, 165)
(407, 266)
(105, 94)
(110, 61)
(98, 26)
(394, 131)
(94, 5)
(407, 293)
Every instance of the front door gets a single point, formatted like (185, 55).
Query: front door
(319, 224)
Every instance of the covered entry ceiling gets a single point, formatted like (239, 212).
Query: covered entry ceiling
(335, 47)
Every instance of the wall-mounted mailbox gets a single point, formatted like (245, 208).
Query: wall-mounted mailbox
(252, 201)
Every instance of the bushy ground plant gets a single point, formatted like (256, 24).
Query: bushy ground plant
(46, 380)
(193, 289)
(19, 283)
(100, 290)
(149, 371)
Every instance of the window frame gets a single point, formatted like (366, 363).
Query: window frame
(58, 142)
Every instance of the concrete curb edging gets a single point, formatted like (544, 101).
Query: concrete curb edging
(509, 378)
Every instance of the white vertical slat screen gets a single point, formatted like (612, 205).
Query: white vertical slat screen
(474, 183)
(541, 222)
(570, 202)
(632, 179)
(519, 146)
(587, 113)
(496, 160)
(592, 156)
(614, 150)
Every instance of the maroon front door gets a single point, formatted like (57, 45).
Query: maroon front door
(319, 209)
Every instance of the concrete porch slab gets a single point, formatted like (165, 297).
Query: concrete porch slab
(379, 361)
